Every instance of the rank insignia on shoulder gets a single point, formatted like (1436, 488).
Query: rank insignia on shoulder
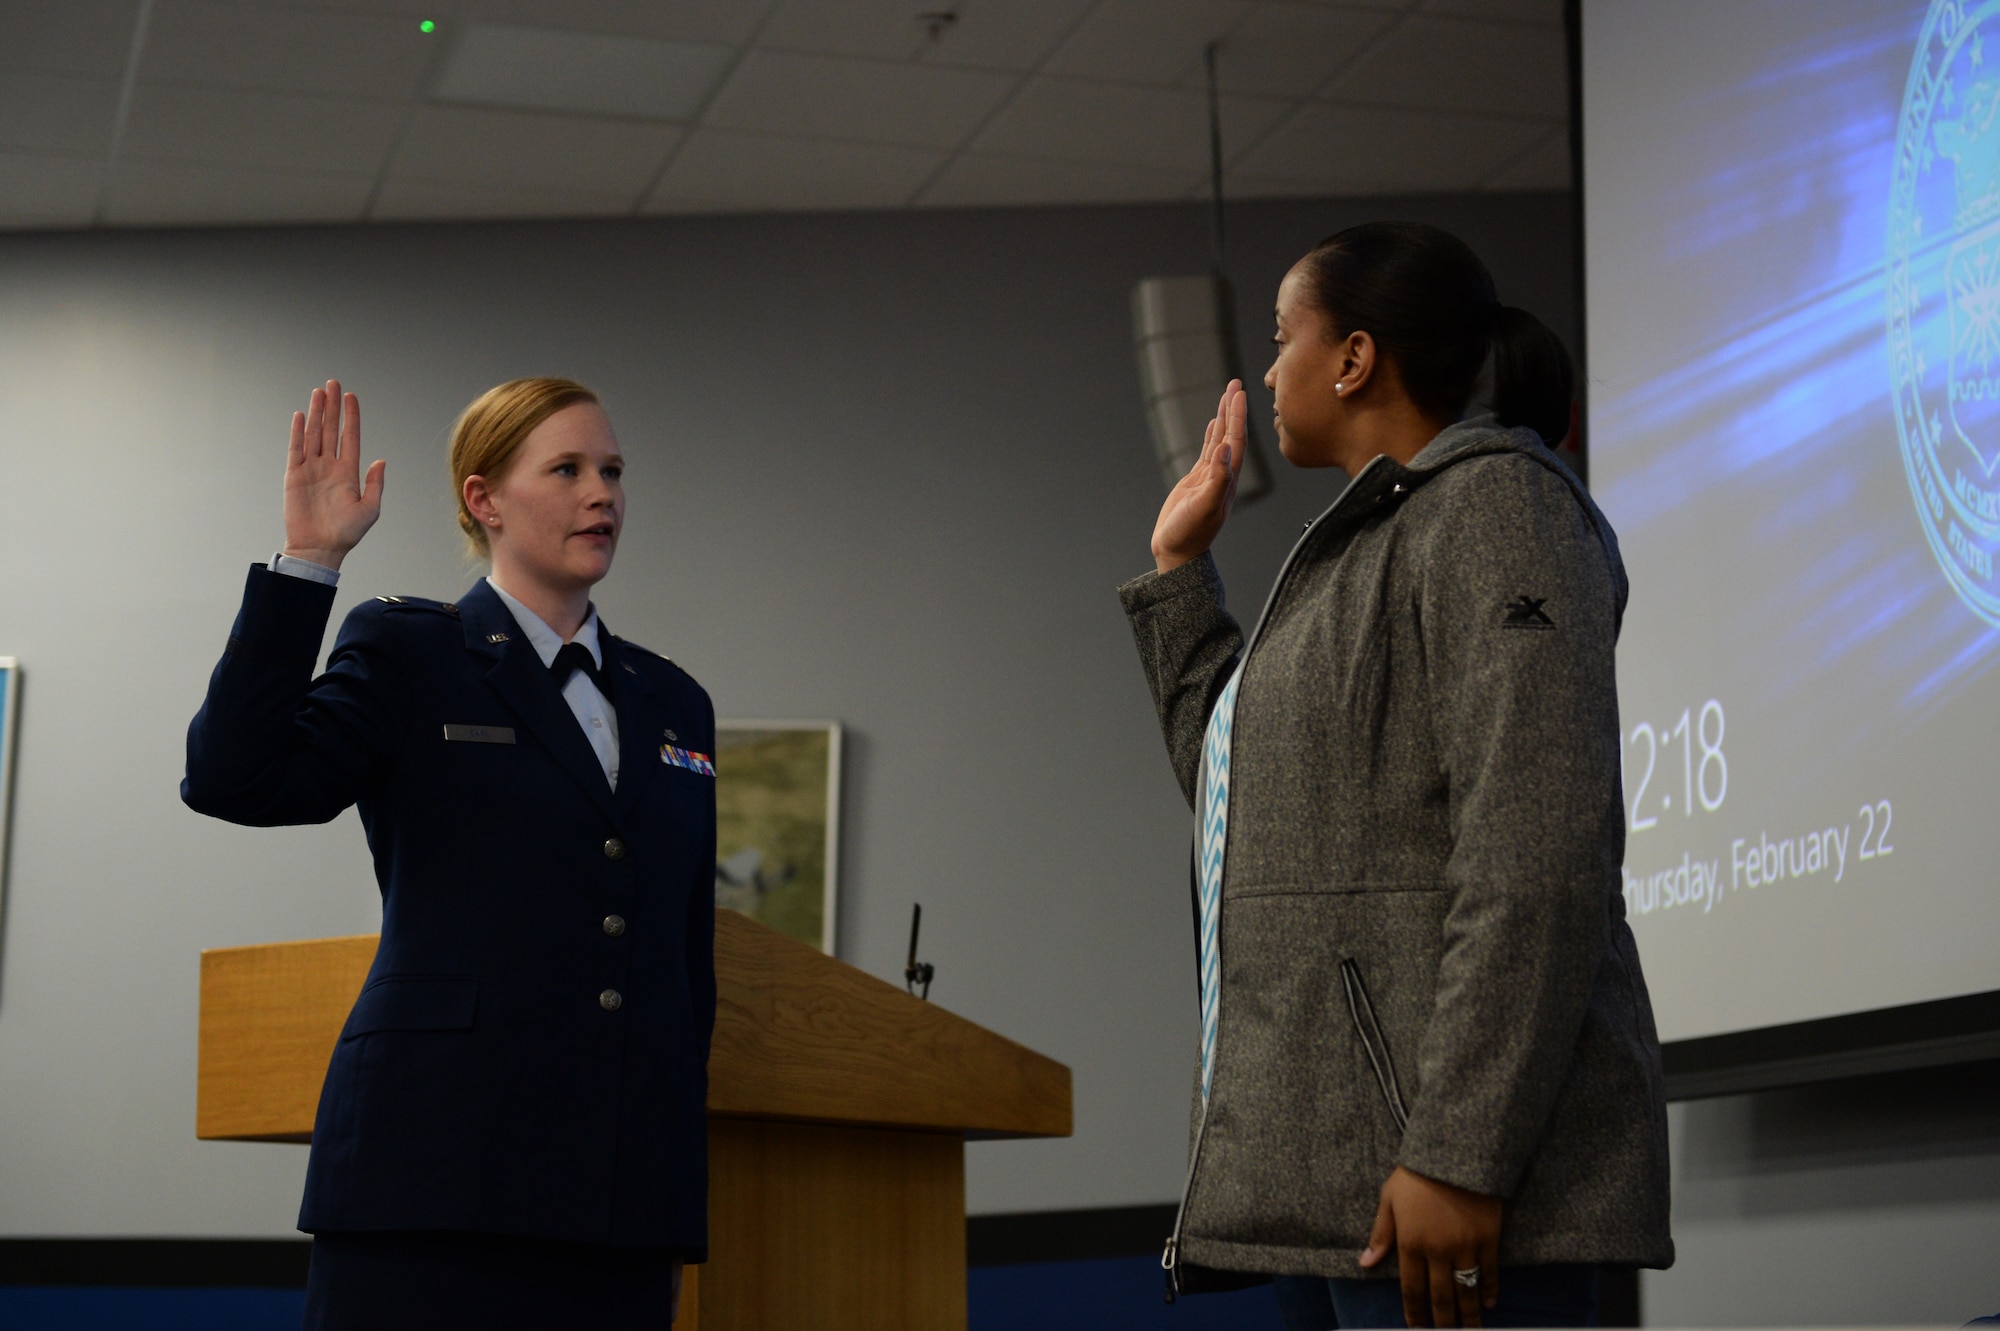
(699, 763)
(419, 603)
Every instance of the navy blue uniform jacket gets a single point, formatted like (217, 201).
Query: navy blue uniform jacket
(486, 1080)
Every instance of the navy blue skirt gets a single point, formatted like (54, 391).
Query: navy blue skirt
(439, 1280)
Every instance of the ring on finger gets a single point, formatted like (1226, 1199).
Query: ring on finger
(1468, 1277)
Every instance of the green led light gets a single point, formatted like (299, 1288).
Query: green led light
(427, 26)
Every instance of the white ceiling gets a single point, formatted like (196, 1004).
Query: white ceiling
(165, 112)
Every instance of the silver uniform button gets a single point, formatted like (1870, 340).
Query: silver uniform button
(611, 1000)
(614, 925)
(614, 849)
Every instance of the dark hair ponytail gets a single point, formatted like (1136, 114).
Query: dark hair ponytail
(1428, 302)
(1534, 381)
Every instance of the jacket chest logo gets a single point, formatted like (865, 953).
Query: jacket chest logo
(1525, 612)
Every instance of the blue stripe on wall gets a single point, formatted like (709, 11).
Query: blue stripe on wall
(98, 1308)
(1111, 1294)
(1107, 1294)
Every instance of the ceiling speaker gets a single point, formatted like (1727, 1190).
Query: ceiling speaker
(1184, 331)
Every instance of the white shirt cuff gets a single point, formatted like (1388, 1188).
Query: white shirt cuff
(305, 568)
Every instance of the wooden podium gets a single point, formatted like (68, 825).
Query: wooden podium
(838, 1111)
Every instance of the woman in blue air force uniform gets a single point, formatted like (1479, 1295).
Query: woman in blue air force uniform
(512, 1130)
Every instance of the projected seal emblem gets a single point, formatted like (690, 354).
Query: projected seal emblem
(1943, 286)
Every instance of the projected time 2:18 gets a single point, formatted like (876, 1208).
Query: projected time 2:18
(1703, 769)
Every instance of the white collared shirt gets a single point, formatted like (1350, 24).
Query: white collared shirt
(592, 709)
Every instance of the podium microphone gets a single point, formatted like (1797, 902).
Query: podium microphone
(917, 972)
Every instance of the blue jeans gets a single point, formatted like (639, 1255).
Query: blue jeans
(1555, 1295)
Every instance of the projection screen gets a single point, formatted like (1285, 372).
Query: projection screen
(1792, 222)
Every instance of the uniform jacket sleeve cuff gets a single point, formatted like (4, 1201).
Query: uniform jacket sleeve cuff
(282, 618)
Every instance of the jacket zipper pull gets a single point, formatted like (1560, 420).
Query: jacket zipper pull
(1167, 1265)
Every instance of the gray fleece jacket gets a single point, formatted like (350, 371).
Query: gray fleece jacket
(1424, 954)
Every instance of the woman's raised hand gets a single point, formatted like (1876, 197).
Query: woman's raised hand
(1199, 503)
(329, 507)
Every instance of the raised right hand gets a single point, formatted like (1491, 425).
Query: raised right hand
(328, 506)
(1198, 505)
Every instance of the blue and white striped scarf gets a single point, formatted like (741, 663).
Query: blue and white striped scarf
(1213, 803)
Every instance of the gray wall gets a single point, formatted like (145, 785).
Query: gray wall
(884, 468)
(1873, 1201)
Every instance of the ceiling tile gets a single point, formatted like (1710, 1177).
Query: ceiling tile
(88, 37)
(1146, 41)
(1546, 13)
(37, 192)
(48, 113)
(730, 22)
(174, 194)
(1324, 149)
(1006, 34)
(529, 150)
(285, 50)
(260, 130)
(1081, 121)
(984, 180)
(417, 9)
(1458, 65)
(405, 200)
(720, 171)
(989, 34)
(1544, 166)
(588, 72)
(876, 29)
(870, 101)
(1288, 50)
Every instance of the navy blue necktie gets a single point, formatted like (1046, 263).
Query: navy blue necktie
(575, 656)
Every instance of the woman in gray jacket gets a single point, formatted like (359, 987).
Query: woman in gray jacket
(1428, 1076)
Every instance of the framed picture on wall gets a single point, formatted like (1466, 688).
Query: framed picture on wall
(10, 711)
(777, 825)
